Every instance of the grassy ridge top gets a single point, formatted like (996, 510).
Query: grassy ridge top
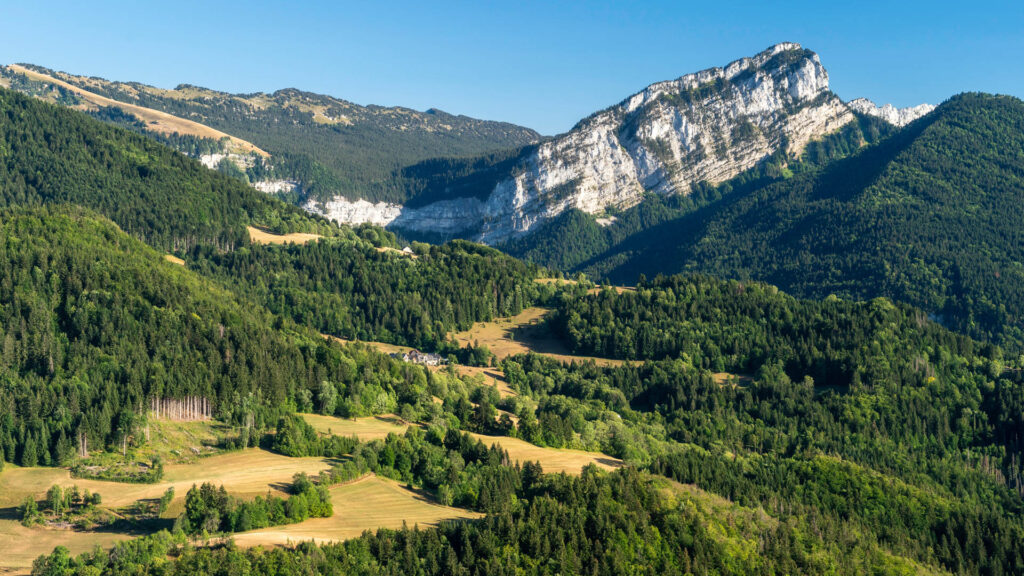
(156, 120)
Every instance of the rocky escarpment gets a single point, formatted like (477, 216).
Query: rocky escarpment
(889, 113)
(703, 127)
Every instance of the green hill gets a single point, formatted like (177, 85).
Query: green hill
(851, 413)
(356, 291)
(93, 323)
(49, 154)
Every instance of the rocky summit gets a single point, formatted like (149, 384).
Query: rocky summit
(708, 126)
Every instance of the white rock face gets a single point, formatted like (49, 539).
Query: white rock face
(704, 127)
(275, 186)
(358, 212)
(445, 217)
(895, 116)
(242, 161)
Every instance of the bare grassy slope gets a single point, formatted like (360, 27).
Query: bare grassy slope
(155, 120)
(366, 504)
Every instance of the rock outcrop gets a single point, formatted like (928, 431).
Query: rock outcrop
(889, 113)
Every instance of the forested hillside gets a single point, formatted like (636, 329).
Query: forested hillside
(912, 467)
(94, 325)
(931, 217)
(854, 413)
(750, 431)
(601, 524)
(355, 291)
(53, 155)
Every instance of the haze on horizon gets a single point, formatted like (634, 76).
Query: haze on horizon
(535, 64)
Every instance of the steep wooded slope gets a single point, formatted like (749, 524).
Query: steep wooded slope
(49, 154)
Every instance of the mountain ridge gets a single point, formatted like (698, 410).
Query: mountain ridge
(699, 129)
(318, 145)
(703, 127)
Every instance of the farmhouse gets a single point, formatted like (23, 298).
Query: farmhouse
(424, 358)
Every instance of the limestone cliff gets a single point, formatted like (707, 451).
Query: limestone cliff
(704, 127)
(889, 113)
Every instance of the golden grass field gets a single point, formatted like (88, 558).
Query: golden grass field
(155, 120)
(246, 473)
(368, 428)
(723, 378)
(391, 250)
(551, 459)
(595, 290)
(520, 334)
(257, 236)
(366, 504)
(491, 377)
(250, 472)
(19, 546)
(174, 259)
(380, 346)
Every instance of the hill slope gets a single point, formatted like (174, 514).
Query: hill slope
(50, 154)
(931, 217)
(94, 324)
(59, 91)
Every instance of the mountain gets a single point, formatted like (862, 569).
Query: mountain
(309, 145)
(576, 241)
(929, 216)
(702, 128)
(437, 176)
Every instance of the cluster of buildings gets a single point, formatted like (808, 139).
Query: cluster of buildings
(424, 358)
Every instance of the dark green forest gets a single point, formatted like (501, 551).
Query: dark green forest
(53, 155)
(358, 292)
(94, 325)
(855, 414)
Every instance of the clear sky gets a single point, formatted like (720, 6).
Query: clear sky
(541, 64)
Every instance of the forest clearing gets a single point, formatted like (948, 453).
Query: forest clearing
(369, 503)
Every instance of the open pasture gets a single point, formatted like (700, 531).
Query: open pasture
(369, 503)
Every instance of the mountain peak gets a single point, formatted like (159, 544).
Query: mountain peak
(809, 78)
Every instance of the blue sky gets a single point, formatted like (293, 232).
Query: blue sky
(541, 64)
